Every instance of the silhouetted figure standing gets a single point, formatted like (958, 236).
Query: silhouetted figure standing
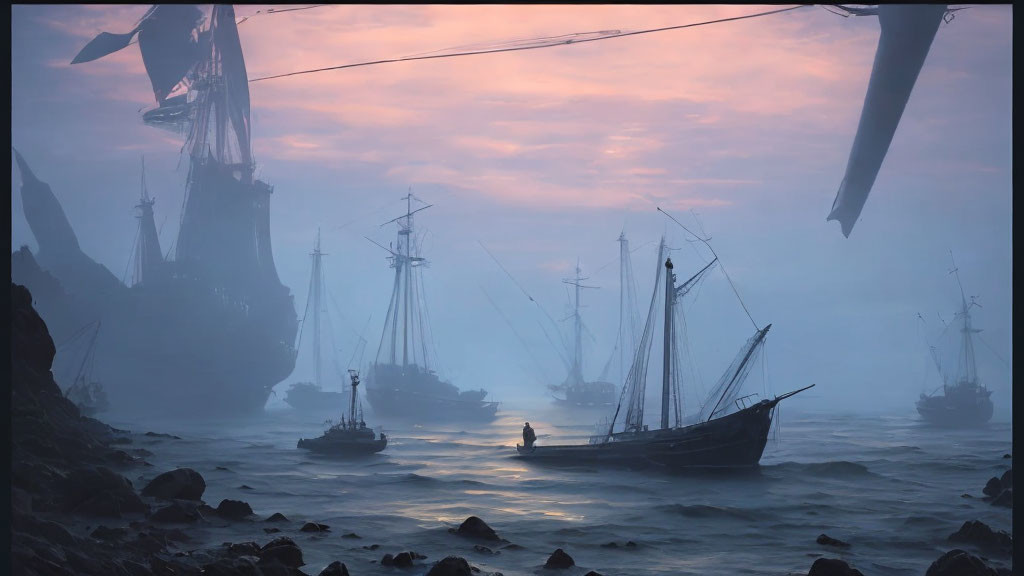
(529, 436)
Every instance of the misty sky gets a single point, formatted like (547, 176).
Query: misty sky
(546, 155)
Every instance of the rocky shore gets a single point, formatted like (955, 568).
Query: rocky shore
(75, 511)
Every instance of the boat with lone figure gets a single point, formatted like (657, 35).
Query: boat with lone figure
(350, 437)
(729, 431)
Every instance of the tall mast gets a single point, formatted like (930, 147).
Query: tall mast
(577, 362)
(970, 371)
(666, 362)
(316, 283)
(408, 270)
(623, 254)
(354, 376)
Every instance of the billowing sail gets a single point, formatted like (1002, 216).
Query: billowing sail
(169, 45)
(907, 33)
(45, 216)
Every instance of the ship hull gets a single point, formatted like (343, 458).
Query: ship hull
(359, 447)
(314, 401)
(942, 411)
(733, 441)
(416, 395)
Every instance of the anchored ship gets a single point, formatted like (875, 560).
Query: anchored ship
(967, 401)
(729, 431)
(401, 382)
(311, 396)
(577, 392)
(209, 329)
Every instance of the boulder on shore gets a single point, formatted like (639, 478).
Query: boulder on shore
(335, 569)
(179, 484)
(234, 509)
(826, 540)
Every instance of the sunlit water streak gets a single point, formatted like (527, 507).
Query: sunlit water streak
(888, 485)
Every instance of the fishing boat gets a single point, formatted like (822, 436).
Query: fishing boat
(729, 431)
(401, 382)
(350, 437)
(311, 396)
(85, 392)
(966, 402)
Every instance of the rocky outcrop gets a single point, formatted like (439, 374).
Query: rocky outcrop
(559, 560)
(234, 509)
(960, 563)
(980, 535)
(335, 569)
(474, 527)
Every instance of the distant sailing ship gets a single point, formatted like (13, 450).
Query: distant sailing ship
(577, 392)
(311, 396)
(84, 391)
(401, 382)
(967, 401)
(349, 437)
(729, 434)
(212, 328)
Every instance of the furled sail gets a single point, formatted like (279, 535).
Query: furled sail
(634, 389)
(907, 33)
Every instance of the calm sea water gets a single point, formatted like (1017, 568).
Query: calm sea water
(889, 486)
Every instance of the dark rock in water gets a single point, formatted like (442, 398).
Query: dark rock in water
(513, 547)
(592, 573)
(630, 544)
(826, 540)
(404, 559)
(559, 560)
(1006, 480)
(484, 549)
(243, 549)
(474, 527)
(315, 527)
(610, 545)
(282, 550)
(371, 547)
(451, 566)
(1007, 456)
(271, 530)
(387, 560)
(1005, 499)
(351, 535)
(180, 484)
(993, 487)
(959, 563)
(276, 517)
(158, 435)
(979, 534)
(224, 468)
(832, 567)
(233, 509)
(335, 569)
(965, 495)
(176, 513)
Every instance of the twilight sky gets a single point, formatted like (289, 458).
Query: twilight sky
(546, 155)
